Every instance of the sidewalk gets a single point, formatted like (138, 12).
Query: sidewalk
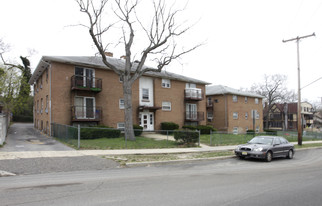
(77, 153)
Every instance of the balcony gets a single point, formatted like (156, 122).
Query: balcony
(86, 114)
(194, 116)
(86, 83)
(193, 94)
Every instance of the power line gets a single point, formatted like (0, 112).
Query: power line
(311, 83)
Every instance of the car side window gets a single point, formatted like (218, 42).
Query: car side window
(277, 141)
(283, 141)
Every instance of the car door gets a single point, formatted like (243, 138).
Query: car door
(278, 150)
(286, 146)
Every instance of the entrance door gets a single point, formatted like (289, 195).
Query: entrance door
(147, 120)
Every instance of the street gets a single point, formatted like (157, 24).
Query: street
(217, 182)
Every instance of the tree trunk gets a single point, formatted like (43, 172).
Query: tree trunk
(128, 121)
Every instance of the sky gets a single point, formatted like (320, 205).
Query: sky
(242, 39)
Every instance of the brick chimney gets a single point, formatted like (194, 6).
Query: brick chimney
(109, 54)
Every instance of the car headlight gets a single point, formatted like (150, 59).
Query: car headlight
(258, 149)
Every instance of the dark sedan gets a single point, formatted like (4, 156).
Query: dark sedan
(266, 147)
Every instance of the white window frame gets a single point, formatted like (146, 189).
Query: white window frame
(166, 106)
(256, 101)
(246, 100)
(235, 98)
(166, 83)
(120, 125)
(121, 103)
(145, 95)
(210, 115)
(235, 115)
(235, 130)
(257, 129)
(246, 115)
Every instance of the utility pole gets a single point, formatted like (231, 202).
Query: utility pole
(299, 115)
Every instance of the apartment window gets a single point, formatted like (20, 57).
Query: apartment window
(235, 99)
(166, 83)
(37, 106)
(42, 105)
(209, 116)
(256, 100)
(209, 101)
(121, 78)
(121, 104)
(257, 129)
(47, 104)
(166, 106)
(85, 77)
(191, 85)
(256, 114)
(145, 94)
(41, 81)
(235, 115)
(246, 115)
(235, 130)
(120, 125)
(246, 99)
(47, 75)
(246, 129)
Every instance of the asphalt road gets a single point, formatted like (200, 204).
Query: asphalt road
(220, 182)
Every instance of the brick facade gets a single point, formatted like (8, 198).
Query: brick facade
(233, 116)
(56, 86)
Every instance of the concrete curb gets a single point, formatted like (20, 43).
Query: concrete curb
(6, 174)
(140, 164)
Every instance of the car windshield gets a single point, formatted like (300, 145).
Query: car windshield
(261, 140)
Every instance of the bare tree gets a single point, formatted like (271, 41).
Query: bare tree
(161, 34)
(274, 91)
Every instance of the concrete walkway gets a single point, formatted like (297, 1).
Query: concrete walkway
(77, 153)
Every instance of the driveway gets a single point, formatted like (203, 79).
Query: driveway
(23, 137)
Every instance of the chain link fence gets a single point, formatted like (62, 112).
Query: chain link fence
(110, 138)
(224, 138)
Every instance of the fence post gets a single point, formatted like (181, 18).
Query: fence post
(78, 136)
(167, 138)
(210, 137)
(199, 138)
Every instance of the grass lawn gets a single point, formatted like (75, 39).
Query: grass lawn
(119, 143)
(218, 139)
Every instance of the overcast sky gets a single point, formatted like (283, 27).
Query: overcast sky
(243, 38)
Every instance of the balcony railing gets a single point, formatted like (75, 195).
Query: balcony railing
(194, 116)
(86, 114)
(193, 94)
(86, 83)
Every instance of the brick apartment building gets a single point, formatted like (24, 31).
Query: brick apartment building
(82, 90)
(231, 110)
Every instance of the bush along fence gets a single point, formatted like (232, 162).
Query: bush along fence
(97, 137)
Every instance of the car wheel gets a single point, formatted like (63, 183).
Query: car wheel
(290, 154)
(269, 156)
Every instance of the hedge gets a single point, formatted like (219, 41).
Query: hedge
(204, 129)
(168, 126)
(137, 130)
(99, 132)
(271, 132)
(186, 137)
(250, 131)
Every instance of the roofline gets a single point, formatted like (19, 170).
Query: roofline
(46, 60)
